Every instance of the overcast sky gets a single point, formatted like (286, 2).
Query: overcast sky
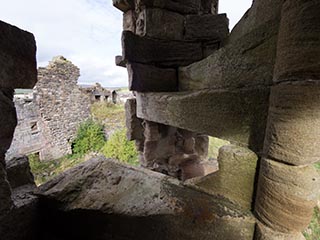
(87, 32)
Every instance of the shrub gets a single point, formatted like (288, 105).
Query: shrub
(120, 148)
(90, 137)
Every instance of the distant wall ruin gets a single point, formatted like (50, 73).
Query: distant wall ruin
(48, 124)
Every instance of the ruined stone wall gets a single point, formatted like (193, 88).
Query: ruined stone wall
(28, 136)
(61, 104)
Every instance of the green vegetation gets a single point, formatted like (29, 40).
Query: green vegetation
(317, 165)
(90, 138)
(44, 171)
(214, 145)
(120, 148)
(112, 116)
(313, 230)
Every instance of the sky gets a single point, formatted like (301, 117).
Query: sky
(86, 32)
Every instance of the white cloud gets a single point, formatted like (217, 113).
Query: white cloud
(87, 32)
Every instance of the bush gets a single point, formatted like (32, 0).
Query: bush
(120, 148)
(90, 137)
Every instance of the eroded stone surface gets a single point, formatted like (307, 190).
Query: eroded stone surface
(133, 124)
(286, 195)
(156, 205)
(181, 6)
(298, 56)
(265, 233)
(292, 135)
(235, 178)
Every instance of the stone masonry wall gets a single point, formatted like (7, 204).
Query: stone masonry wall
(61, 104)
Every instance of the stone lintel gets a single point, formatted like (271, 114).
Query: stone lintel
(235, 115)
(17, 57)
(147, 78)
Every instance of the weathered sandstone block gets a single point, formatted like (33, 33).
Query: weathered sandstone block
(286, 195)
(235, 178)
(17, 57)
(132, 203)
(181, 6)
(120, 61)
(247, 62)
(19, 172)
(265, 233)
(133, 124)
(207, 27)
(293, 130)
(124, 5)
(298, 55)
(159, 52)
(209, 6)
(147, 78)
(129, 21)
(161, 24)
(236, 115)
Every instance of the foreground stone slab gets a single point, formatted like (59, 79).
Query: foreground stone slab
(207, 27)
(17, 57)
(235, 115)
(235, 178)
(286, 195)
(147, 78)
(182, 6)
(133, 203)
(293, 123)
(159, 52)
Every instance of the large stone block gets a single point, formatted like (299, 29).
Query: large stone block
(209, 6)
(159, 52)
(17, 58)
(207, 27)
(286, 195)
(133, 124)
(129, 21)
(248, 62)
(147, 78)
(131, 203)
(19, 172)
(160, 24)
(124, 5)
(5, 190)
(265, 233)
(235, 178)
(293, 130)
(235, 115)
(181, 6)
(298, 55)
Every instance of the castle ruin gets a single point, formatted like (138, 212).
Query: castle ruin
(257, 87)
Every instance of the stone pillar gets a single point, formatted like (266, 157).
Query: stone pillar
(289, 186)
(8, 122)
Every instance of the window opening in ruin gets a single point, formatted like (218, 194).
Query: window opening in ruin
(34, 127)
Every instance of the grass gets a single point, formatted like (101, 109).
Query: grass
(112, 116)
(313, 230)
(44, 171)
